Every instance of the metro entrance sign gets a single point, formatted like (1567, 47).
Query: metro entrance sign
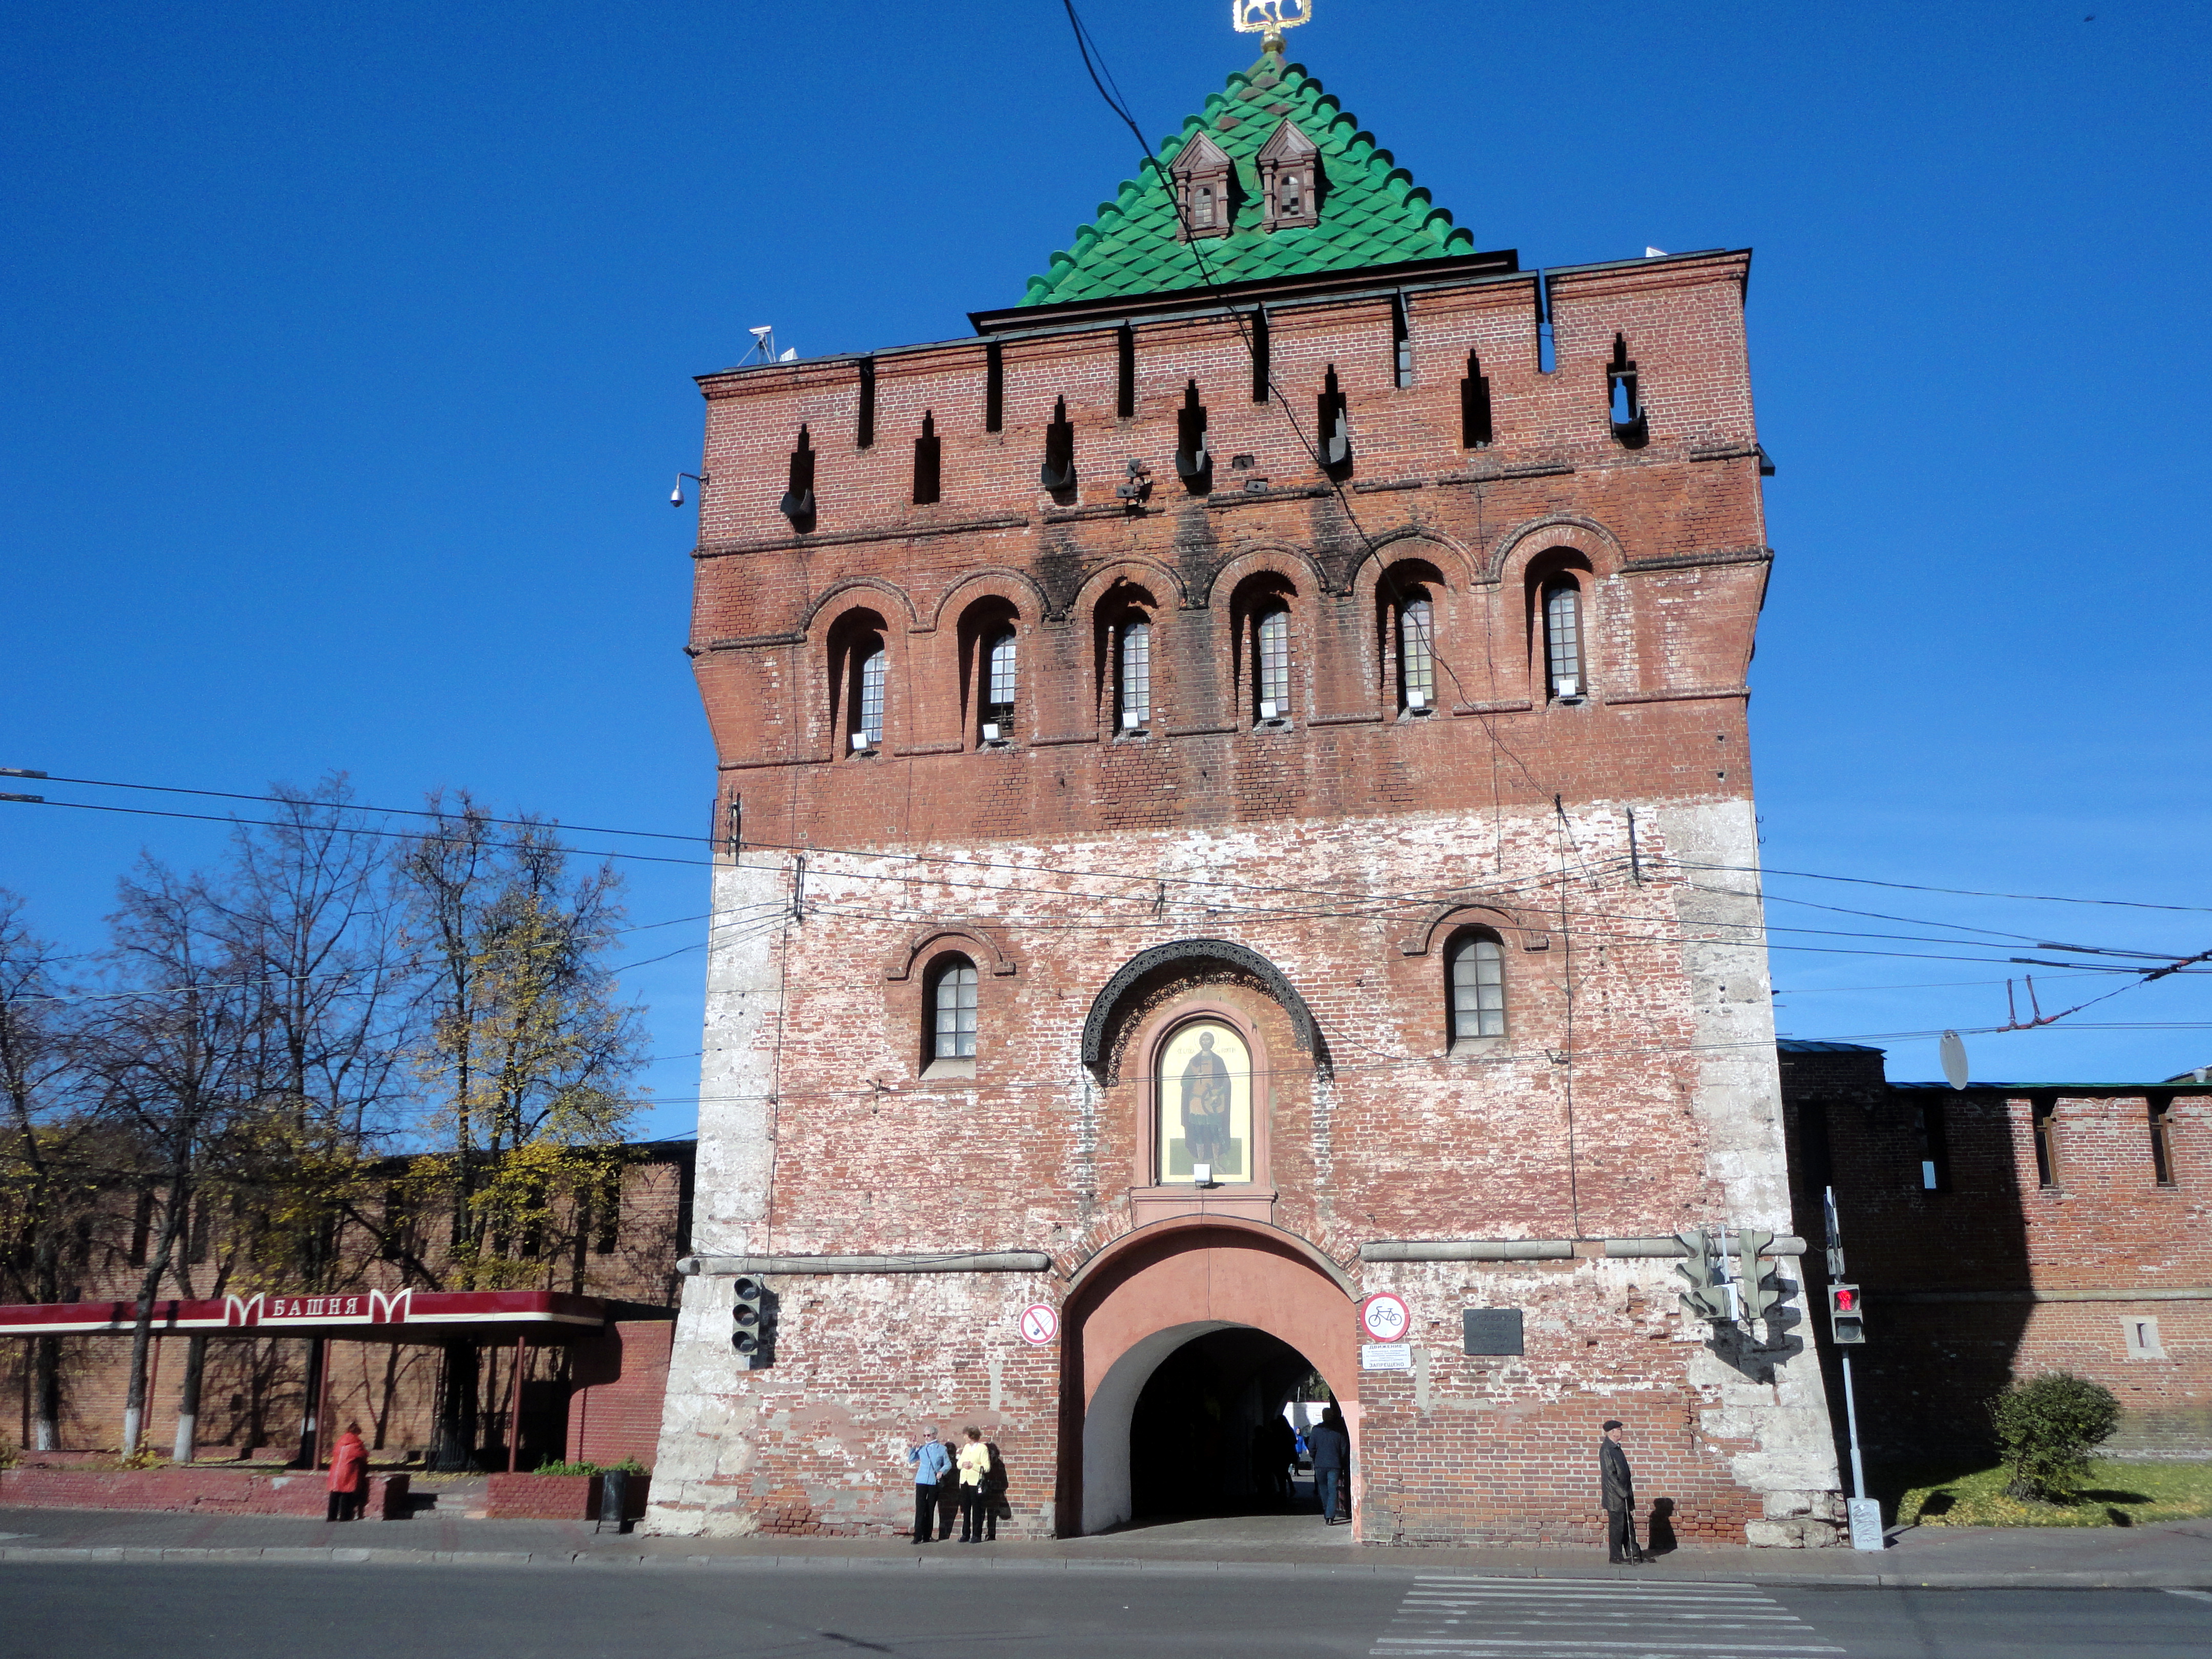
(1385, 1317)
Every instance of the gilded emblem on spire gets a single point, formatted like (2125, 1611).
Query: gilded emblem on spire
(1269, 17)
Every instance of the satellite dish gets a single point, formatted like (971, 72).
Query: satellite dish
(1955, 1060)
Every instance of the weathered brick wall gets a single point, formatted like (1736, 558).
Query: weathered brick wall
(1999, 1275)
(1634, 1091)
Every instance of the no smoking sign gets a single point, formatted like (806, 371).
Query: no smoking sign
(1385, 1317)
(1040, 1323)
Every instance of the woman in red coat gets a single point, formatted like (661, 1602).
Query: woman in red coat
(349, 1476)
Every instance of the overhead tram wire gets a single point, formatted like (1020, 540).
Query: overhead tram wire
(1241, 913)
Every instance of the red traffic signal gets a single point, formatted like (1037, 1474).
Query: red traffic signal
(1844, 1322)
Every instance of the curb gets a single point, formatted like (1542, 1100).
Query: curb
(2172, 1578)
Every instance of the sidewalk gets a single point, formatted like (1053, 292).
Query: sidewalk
(2177, 1554)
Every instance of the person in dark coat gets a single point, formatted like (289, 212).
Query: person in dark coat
(1617, 1489)
(1332, 1460)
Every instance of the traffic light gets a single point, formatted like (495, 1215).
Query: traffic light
(1844, 1318)
(1708, 1295)
(752, 1319)
(1757, 1298)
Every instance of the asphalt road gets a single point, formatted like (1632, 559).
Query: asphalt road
(105, 1611)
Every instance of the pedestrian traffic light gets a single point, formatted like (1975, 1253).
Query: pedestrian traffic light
(1757, 1298)
(752, 1318)
(1708, 1295)
(1843, 1320)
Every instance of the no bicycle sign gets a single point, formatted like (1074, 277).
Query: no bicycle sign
(1384, 1317)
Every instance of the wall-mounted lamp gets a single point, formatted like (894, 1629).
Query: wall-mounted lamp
(676, 495)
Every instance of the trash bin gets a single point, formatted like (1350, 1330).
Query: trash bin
(614, 1501)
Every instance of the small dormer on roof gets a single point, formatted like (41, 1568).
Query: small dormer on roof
(1205, 178)
(1290, 178)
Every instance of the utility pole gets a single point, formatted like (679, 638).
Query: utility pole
(1845, 1326)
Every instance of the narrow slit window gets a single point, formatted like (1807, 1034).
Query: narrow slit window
(864, 435)
(866, 721)
(2046, 1143)
(1417, 657)
(1562, 640)
(1193, 463)
(952, 1011)
(1263, 372)
(1632, 427)
(1402, 342)
(1474, 427)
(925, 462)
(2162, 1142)
(1935, 1150)
(1334, 416)
(1125, 395)
(1058, 473)
(798, 503)
(1477, 988)
(607, 1218)
(997, 685)
(1135, 687)
(1271, 657)
(995, 387)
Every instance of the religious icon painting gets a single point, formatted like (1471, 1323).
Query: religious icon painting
(1205, 1103)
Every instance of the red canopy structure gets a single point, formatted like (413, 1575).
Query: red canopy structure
(361, 1316)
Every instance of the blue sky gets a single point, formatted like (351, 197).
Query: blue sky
(347, 358)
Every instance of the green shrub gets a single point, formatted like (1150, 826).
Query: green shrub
(566, 1468)
(9, 1454)
(2048, 1428)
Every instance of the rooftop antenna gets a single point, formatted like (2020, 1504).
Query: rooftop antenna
(764, 346)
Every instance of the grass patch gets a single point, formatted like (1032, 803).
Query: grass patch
(2117, 1494)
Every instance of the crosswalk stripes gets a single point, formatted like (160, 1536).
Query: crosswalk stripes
(1447, 1616)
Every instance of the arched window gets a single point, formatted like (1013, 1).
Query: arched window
(866, 661)
(1293, 197)
(998, 700)
(1475, 980)
(1271, 661)
(1133, 684)
(1417, 655)
(1562, 640)
(1201, 208)
(951, 1013)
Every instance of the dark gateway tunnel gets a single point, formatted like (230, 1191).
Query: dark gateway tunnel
(1191, 1439)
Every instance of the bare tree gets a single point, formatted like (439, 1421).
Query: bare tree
(46, 1185)
(172, 1054)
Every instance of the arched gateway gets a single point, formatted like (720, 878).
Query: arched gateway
(1137, 1302)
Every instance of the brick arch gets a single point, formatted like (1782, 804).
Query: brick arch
(829, 600)
(1526, 541)
(1393, 547)
(1281, 557)
(999, 581)
(1533, 934)
(1198, 954)
(900, 964)
(1150, 1291)
(1101, 581)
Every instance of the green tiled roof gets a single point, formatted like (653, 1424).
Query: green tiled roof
(1371, 211)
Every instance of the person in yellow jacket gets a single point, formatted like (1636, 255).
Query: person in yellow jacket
(974, 1501)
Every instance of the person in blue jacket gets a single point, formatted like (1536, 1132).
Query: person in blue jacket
(931, 1462)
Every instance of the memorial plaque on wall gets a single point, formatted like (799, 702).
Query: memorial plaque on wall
(1492, 1330)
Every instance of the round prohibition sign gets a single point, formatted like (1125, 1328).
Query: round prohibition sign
(1384, 1317)
(1040, 1323)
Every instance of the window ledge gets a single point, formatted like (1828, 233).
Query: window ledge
(944, 1068)
(1280, 723)
(1480, 1047)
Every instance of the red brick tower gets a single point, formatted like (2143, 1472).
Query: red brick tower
(1245, 807)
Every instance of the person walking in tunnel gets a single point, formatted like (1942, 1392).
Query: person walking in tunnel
(1617, 1489)
(930, 1460)
(1332, 1461)
(974, 1469)
(349, 1476)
